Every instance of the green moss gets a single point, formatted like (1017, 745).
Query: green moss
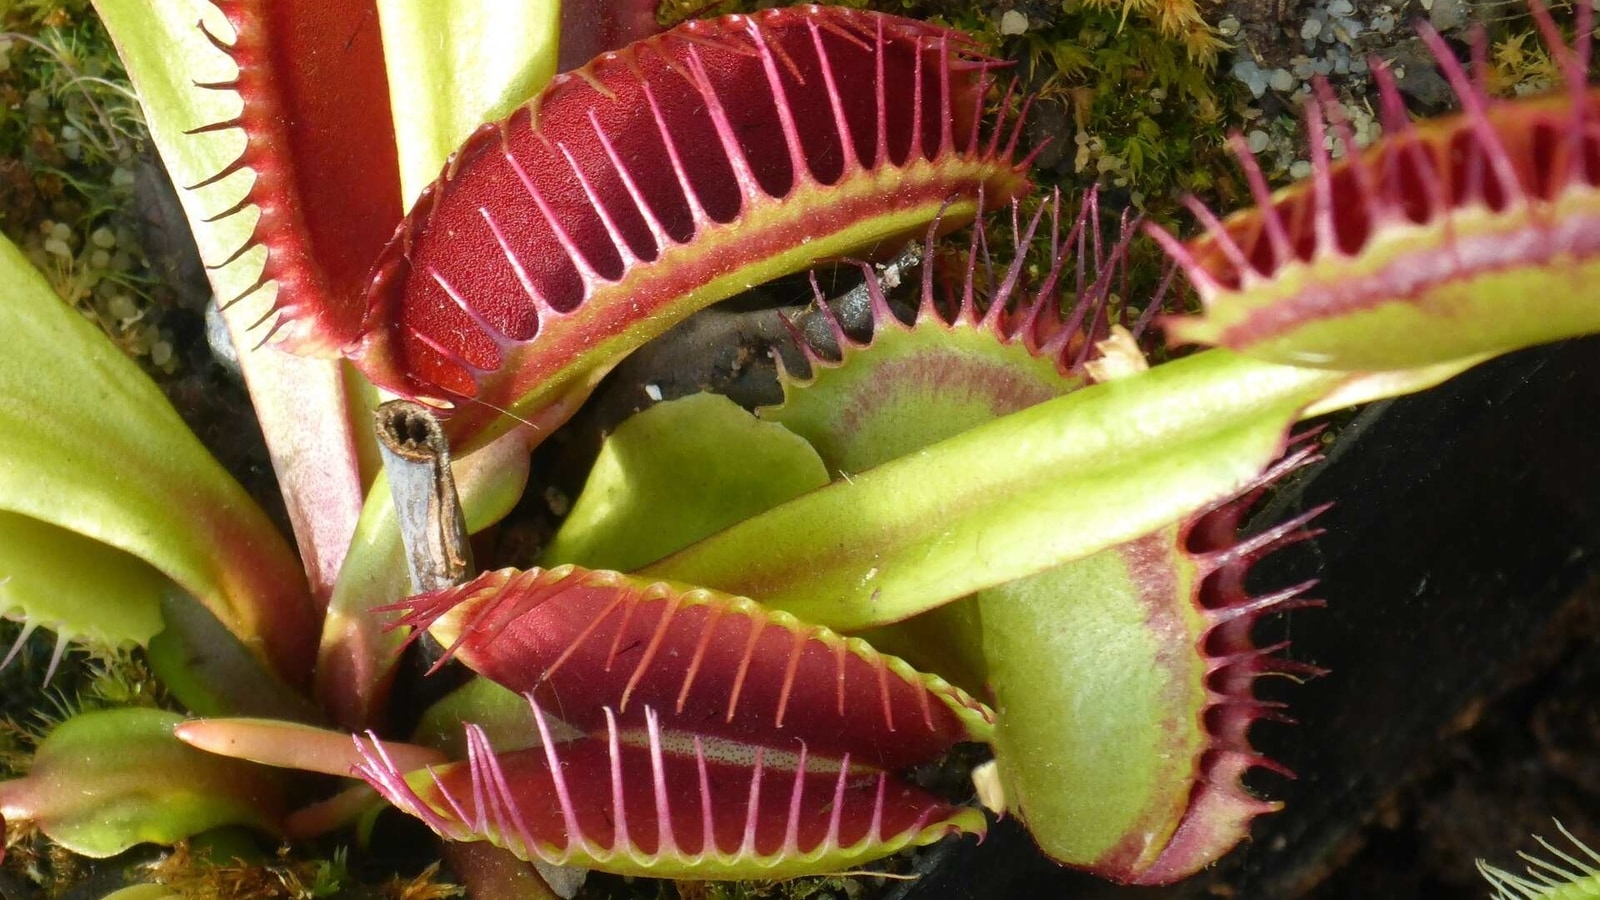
(222, 870)
(71, 142)
(1139, 116)
(1519, 62)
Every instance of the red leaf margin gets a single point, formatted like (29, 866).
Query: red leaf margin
(661, 178)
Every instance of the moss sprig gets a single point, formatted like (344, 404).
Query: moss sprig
(71, 141)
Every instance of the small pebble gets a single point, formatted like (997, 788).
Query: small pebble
(1341, 8)
(1257, 141)
(1247, 72)
(1228, 27)
(100, 259)
(121, 308)
(61, 231)
(1447, 15)
(1311, 29)
(1282, 80)
(653, 391)
(222, 349)
(104, 238)
(57, 248)
(1013, 22)
(557, 501)
(1300, 169)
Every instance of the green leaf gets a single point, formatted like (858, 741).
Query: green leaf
(93, 447)
(454, 64)
(503, 714)
(676, 473)
(212, 673)
(910, 387)
(144, 892)
(107, 780)
(1120, 702)
(79, 588)
(1055, 482)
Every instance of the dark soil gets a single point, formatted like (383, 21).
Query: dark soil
(1513, 764)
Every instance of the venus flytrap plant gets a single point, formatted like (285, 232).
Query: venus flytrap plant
(310, 289)
(670, 236)
(669, 175)
(1108, 703)
(842, 537)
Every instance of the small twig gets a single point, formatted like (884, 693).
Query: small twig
(853, 308)
(432, 526)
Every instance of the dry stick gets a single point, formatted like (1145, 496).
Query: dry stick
(433, 528)
(416, 456)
